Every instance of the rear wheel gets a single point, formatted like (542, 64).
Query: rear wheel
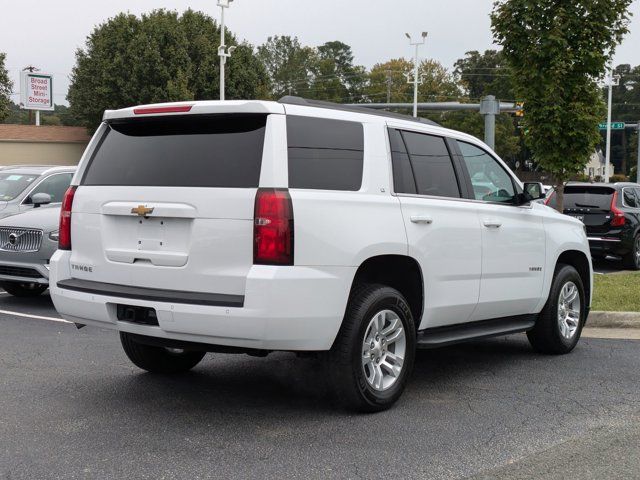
(159, 359)
(632, 259)
(372, 357)
(19, 289)
(560, 323)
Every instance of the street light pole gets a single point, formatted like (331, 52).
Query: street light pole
(416, 76)
(612, 80)
(222, 50)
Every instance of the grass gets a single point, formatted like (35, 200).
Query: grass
(619, 292)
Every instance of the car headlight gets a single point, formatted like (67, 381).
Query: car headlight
(54, 235)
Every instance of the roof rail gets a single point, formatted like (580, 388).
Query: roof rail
(293, 100)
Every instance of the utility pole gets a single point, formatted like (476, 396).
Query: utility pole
(32, 69)
(388, 86)
(223, 53)
(612, 80)
(489, 108)
(416, 77)
(638, 160)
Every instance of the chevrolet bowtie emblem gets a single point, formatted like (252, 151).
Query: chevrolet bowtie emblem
(142, 210)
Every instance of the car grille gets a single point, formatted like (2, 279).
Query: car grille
(19, 272)
(20, 239)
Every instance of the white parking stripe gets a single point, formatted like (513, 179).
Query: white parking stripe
(37, 317)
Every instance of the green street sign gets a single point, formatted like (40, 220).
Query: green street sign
(614, 126)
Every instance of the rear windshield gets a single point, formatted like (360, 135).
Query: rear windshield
(12, 185)
(180, 151)
(586, 197)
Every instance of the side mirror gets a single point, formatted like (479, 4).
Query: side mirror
(40, 199)
(534, 190)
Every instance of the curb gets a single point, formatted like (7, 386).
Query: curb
(613, 320)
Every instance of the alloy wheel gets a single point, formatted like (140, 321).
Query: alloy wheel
(383, 350)
(569, 310)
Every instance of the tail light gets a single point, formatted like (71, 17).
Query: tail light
(618, 219)
(64, 235)
(547, 200)
(273, 227)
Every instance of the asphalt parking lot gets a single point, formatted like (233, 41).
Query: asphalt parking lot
(74, 407)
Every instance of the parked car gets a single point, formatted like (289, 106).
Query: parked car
(611, 214)
(23, 187)
(252, 226)
(27, 242)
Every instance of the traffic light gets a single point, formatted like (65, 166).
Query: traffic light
(519, 109)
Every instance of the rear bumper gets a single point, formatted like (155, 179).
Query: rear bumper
(609, 245)
(285, 308)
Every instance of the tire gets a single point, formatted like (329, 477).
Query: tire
(557, 331)
(632, 259)
(159, 359)
(23, 289)
(360, 376)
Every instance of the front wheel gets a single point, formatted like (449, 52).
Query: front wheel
(159, 359)
(373, 354)
(19, 289)
(560, 323)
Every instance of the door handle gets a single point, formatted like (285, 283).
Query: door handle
(491, 223)
(421, 219)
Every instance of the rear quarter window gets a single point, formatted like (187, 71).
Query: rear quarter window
(180, 151)
(325, 154)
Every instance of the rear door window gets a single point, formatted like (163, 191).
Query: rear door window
(180, 151)
(431, 164)
(325, 154)
(629, 197)
(403, 178)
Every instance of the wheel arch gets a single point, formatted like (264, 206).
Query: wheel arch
(401, 272)
(581, 263)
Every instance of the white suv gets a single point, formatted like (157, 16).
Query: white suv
(253, 226)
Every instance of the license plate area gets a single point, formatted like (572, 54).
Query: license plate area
(137, 314)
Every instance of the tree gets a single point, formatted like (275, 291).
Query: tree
(336, 78)
(6, 86)
(484, 74)
(161, 56)
(437, 83)
(290, 65)
(556, 51)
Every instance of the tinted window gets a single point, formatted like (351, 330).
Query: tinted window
(432, 165)
(586, 197)
(54, 185)
(180, 151)
(490, 181)
(403, 181)
(324, 154)
(12, 185)
(630, 199)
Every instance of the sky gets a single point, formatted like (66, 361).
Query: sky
(46, 33)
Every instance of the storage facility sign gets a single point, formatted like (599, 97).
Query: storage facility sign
(36, 92)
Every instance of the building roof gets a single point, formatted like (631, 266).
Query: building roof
(43, 133)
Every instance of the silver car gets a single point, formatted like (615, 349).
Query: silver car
(27, 242)
(24, 187)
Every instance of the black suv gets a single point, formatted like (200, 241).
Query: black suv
(611, 213)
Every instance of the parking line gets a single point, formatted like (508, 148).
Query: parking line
(37, 317)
